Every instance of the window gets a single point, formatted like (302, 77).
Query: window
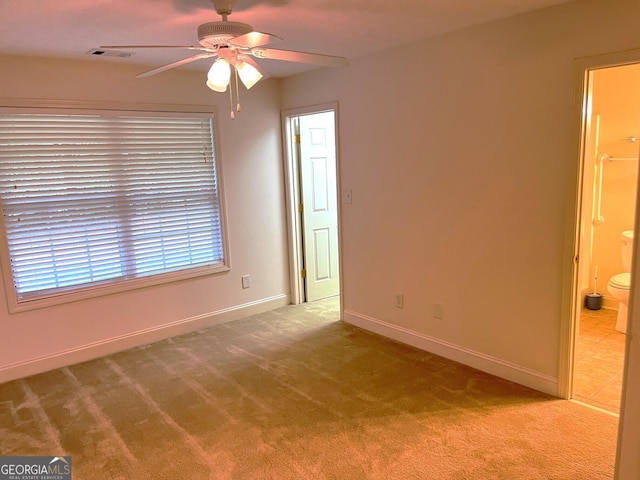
(94, 202)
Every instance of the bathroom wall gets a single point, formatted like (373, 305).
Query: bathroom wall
(616, 100)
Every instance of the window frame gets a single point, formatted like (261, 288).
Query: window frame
(127, 284)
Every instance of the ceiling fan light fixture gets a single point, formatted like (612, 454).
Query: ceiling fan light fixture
(235, 44)
(249, 75)
(219, 75)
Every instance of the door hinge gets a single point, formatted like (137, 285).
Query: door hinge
(303, 273)
(297, 138)
(300, 208)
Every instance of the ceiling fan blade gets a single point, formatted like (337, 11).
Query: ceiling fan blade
(302, 57)
(175, 64)
(254, 39)
(133, 47)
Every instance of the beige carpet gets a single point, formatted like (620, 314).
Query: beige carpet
(295, 394)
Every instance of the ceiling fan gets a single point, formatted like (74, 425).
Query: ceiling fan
(234, 44)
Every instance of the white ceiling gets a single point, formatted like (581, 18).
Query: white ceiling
(348, 28)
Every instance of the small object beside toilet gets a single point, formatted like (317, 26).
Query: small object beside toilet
(593, 301)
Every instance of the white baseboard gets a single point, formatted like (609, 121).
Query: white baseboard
(486, 363)
(141, 337)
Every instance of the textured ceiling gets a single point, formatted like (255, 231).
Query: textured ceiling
(349, 28)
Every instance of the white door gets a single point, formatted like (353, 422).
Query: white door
(319, 204)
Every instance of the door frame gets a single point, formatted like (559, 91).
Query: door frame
(292, 187)
(628, 432)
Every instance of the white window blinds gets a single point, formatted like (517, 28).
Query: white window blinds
(89, 200)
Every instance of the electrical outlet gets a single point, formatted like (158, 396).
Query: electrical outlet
(438, 311)
(399, 300)
(246, 281)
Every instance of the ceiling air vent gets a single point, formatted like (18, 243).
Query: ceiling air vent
(101, 52)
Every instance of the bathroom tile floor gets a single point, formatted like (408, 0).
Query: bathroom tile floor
(599, 360)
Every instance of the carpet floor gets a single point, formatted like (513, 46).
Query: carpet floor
(296, 394)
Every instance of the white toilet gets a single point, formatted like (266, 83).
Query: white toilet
(619, 284)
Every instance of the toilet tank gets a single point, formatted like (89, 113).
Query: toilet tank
(627, 249)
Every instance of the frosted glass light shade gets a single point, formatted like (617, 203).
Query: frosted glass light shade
(248, 74)
(219, 75)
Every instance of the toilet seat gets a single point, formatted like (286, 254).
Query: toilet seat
(621, 281)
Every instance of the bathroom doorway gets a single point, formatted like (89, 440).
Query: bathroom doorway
(609, 184)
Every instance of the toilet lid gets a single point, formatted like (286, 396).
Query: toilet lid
(621, 280)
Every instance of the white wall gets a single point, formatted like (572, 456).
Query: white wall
(253, 184)
(462, 155)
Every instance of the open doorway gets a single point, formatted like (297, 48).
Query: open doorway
(605, 239)
(310, 139)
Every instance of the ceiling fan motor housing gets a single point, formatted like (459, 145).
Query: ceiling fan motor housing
(224, 7)
(213, 34)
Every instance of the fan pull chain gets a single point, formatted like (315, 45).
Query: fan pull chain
(233, 115)
(237, 91)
